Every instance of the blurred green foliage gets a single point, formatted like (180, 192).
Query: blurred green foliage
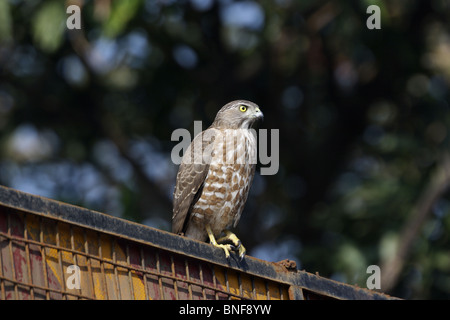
(48, 25)
(86, 117)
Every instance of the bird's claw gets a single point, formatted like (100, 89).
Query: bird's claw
(241, 252)
(226, 248)
(235, 244)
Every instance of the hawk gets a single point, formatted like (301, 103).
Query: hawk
(214, 178)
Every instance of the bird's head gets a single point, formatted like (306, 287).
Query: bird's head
(238, 114)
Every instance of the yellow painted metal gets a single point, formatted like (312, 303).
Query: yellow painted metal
(107, 270)
(98, 278)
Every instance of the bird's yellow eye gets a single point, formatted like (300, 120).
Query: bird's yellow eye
(243, 108)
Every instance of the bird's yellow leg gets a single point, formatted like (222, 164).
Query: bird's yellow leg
(230, 236)
(212, 240)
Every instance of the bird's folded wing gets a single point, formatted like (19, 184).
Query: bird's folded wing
(191, 177)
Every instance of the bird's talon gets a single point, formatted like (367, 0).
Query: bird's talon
(226, 248)
(242, 252)
(230, 237)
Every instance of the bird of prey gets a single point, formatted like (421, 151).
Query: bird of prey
(215, 176)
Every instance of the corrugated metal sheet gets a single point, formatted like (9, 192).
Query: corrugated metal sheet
(44, 244)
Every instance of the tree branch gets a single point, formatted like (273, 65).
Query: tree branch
(437, 185)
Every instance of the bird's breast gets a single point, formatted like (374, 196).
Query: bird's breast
(228, 180)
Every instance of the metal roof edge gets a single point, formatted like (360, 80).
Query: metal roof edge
(83, 217)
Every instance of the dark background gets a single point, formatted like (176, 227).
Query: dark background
(86, 117)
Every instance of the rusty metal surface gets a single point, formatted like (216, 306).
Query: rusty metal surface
(118, 259)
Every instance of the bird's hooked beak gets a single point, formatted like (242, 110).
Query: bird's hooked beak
(250, 118)
(258, 114)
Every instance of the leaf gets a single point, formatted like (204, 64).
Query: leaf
(122, 12)
(48, 25)
(5, 22)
